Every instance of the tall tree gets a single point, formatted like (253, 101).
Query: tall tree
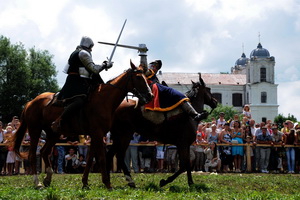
(229, 112)
(280, 119)
(23, 76)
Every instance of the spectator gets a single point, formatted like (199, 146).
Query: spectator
(61, 155)
(146, 155)
(226, 156)
(247, 111)
(107, 140)
(297, 153)
(11, 156)
(237, 151)
(83, 148)
(25, 151)
(3, 149)
(15, 123)
(199, 152)
(258, 131)
(160, 154)
(131, 155)
(70, 160)
(245, 121)
(265, 151)
(80, 164)
(172, 158)
(212, 157)
(290, 139)
(277, 139)
(213, 136)
(221, 121)
(235, 118)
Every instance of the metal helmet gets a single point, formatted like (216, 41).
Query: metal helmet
(86, 42)
(156, 63)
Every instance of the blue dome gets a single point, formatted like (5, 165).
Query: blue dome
(260, 52)
(242, 60)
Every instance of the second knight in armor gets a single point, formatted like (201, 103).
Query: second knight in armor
(173, 95)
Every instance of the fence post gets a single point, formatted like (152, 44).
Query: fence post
(248, 155)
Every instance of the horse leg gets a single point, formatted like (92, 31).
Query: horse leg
(32, 158)
(45, 152)
(184, 164)
(87, 169)
(121, 159)
(100, 157)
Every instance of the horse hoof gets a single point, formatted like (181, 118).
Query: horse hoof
(85, 187)
(39, 186)
(162, 183)
(132, 185)
(46, 183)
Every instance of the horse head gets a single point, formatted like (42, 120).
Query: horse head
(138, 84)
(200, 95)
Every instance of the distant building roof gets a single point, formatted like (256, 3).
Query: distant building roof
(210, 79)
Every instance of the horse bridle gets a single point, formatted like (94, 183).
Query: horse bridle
(134, 90)
(194, 92)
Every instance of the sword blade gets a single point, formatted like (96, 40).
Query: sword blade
(125, 46)
(116, 44)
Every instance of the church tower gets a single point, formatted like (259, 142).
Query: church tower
(260, 88)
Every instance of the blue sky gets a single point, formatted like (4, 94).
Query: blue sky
(187, 35)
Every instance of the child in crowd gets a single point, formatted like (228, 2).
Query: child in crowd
(71, 159)
(11, 156)
(80, 164)
(212, 157)
(246, 111)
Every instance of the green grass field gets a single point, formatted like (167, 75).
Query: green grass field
(207, 186)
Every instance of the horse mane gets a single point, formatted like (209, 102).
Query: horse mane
(111, 81)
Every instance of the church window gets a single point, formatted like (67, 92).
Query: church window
(218, 97)
(263, 74)
(237, 99)
(263, 97)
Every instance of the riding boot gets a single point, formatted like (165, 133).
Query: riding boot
(188, 108)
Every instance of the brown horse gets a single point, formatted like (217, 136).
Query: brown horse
(95, 120)
(180, 131)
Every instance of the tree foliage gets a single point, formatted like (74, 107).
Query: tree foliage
(229, 112)
(23, 75)
(280, 119)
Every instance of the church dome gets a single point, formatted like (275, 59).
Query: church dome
(242, 60)
(260, 52)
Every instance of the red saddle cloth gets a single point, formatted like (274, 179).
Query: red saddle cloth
(165, 98)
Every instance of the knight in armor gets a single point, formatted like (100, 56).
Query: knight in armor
(171, 96)
(82, 74)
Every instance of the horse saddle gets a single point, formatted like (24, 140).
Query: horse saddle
(56, 101)
(158, 117)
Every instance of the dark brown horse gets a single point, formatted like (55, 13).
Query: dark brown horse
(180, 131)
(95, 120)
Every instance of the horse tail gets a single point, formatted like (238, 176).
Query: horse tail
(19, 135)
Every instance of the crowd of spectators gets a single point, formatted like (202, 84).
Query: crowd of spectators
(219, 147)
(215, 149)
(65, 158)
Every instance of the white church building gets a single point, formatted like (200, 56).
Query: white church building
(251, 81)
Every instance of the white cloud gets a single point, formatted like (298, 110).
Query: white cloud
(288, 98)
